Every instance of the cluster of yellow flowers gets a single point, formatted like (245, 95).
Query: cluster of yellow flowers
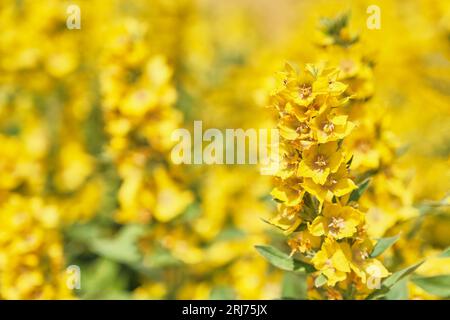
(313, 182)
(32, 255)
(138, 99)
(45, 168)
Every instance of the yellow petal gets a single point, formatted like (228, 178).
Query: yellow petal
(340, 261)
(317, 227)
(343, 187)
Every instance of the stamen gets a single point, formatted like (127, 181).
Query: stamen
(302, 128)
(336, 225)
(328, 127)
(305, 91)
(321, 161)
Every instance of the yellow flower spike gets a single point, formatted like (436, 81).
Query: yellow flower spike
(319, 161)
(313, 122)
(31, 258)
(336, 221)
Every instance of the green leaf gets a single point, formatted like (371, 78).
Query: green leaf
(397, 276)
(222, 293)
(377, 294)
(333, 26)
(320, 281)
(103, 279)
(445, 253)
(282, 260)
(300, 266)
(276, 257)
(398, 291)
(161, 258)
(294, 286)
(83, 232)
(191, 212)
(230, 234)
(122, 248)
(357, 193)
(436, 285)
(382, 245)
(349, 162)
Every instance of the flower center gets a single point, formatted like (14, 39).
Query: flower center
(363, 145)
(346, 65)
(329, 264)
(360, 255)
(321, 161)
(305, 91)
(142, 94)
(289, 215)
(331, 182)
(363, 254)
(302, 128)
(328, 127)
(165, 196)
(336, 225)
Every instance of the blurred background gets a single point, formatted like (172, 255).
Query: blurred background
(86, 117)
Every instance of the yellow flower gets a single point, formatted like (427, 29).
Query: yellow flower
(171, 200)
(293, 129)
(332, 261)
(319, 161)
(133, 197)
(336, 221)
(337, 184)
(194, 290)
(304, 242)
(302, 89)
(355, 70)
(31, 255)
(286, 164)
(327, 81)
(331, 126)
(363, 144)
(75, 166)
(287, 218)
(152, 290)
(290, 193)
(141, 197)
(295, 87)
(369, 270)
